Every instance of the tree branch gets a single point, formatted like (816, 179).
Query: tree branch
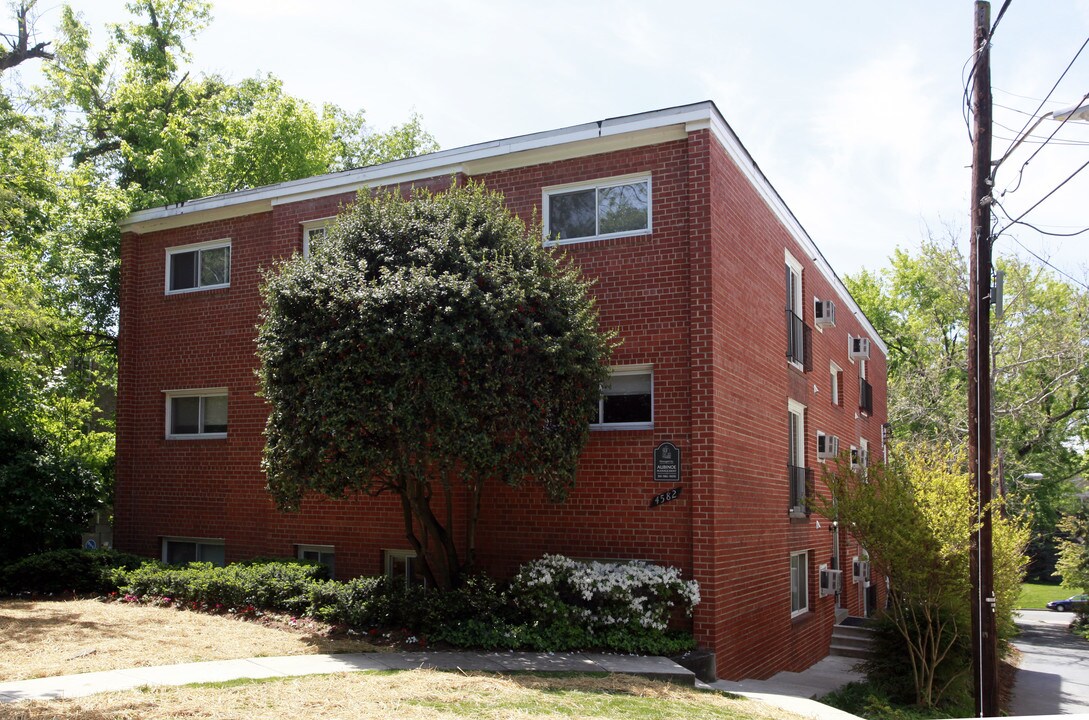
(21, 49)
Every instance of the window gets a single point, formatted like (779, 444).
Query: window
(837, 376)
(627, 399)
(314, 231)
(198, 267)
(797, 472)
(863, 455)
(322, 554)
(196, 413)
(799, 583)
(612, 208)
(794, 321)
(182, 551)
(865, 390)
(402, 564)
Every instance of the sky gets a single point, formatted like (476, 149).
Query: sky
(854, 109)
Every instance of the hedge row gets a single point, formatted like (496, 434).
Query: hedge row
(554, 604)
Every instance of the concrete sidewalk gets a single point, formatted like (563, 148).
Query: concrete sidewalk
(68, 686)
(820, 678)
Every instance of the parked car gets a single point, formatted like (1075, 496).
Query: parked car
(1074, 602)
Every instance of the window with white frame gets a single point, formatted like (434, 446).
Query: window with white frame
(202, 266)
(182, 551)
(836, 373)
(863, 455)
(605, 208)
(321, 554)
(196, 413)
(796, 470)
(627, 399)
(314, 231)
(799, 583)
(794, 313)
(401, 565)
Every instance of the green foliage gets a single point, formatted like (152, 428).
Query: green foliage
(866, 700)
(1041, 374)
(48, 496)
(1073, 564)
(278, 586)
(914, 515)
(477, 614)
(427, 344)
(71, 570)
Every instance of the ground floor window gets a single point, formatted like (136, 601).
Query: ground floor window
(322, 554)
(799, 583)
(182, 551)
(402, 565)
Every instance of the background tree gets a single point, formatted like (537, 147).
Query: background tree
(913, 515)
(111, 131)
(1073, 563)
(1041, 377)
(428, 347)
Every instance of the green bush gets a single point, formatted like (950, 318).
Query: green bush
(72, 570)
(271, 585)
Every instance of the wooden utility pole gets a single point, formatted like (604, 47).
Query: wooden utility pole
(984, 639)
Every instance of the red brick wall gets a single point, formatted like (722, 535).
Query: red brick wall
(701, 299)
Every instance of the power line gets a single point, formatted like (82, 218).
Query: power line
(1065, 274)
(1052, 233)
(1051, 92)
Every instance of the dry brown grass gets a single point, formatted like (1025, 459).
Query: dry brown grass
(57, 637)
(412, 695)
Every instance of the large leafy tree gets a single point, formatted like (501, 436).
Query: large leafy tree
(428, 347)
(914, 515)
(113, 130)
(1041, 375)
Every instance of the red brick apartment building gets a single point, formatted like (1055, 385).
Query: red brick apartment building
(742, 350)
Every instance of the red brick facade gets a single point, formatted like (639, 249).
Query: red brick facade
(700, 299)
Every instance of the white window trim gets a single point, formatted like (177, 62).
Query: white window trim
(310, 225)
(835, 371)
(798, 306)
(301, 548)
(620, 370)
(863, 455)
(218, 542)
(597, 184)
(805, 590)
(796, 408)
(195, 392)
(209, 245)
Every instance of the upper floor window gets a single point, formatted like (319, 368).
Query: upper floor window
(797, 473)
(627, 399)
(796, 330)
(590, 211)
(198, 267)
(314, 231)
(196, 413)
(836, 374)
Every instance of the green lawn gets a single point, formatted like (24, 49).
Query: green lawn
(1036, 596)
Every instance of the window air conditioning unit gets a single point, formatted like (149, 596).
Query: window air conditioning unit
(827, 446)
(831, 581)
(859, 348)
(824, 313)
(865, 571)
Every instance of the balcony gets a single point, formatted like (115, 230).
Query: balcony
(798, 341)
(801, 486)
(865, 397)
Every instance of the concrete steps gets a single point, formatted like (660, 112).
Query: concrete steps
(851, 641)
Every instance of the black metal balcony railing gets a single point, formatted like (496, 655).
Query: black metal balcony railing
(865, 396)
(795, 338)
(801, 484)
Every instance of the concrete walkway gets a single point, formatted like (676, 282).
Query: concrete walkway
(818, 679)
(795, 691)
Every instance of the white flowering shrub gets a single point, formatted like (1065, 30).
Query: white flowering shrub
(599, 598)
